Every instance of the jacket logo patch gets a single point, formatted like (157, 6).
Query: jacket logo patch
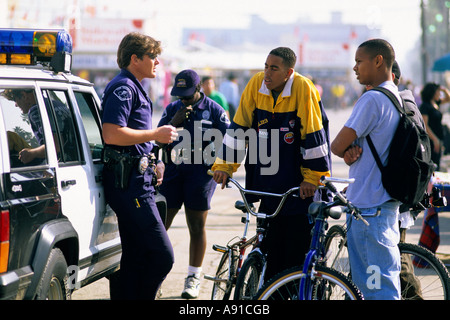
(289, 137)
(206, 114)
(224, 118)
(123, 93)
(260, 123)
(181, 83)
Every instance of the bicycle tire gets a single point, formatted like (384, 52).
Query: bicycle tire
(434, 277)
(429, 270)
(247, 283)
(336, 253)
(226, 273)
(285, 286)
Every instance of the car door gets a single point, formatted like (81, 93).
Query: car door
(78, 178)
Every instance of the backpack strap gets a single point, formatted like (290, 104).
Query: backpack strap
(393, 98)
(399, 108)
(375, 154)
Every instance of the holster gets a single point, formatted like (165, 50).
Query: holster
(121, 164)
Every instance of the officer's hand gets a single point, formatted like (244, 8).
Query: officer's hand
(307, 190)
(181, 115)
(166, 134)
(221, 177)
(160, 167)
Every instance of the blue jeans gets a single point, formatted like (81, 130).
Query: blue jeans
(373, 253)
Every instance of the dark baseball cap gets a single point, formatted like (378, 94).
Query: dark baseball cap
(185, 83)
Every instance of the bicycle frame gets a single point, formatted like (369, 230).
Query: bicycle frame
(243, 243)
(315, 253)
(316, 248)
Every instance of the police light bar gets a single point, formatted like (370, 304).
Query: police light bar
(52, 48)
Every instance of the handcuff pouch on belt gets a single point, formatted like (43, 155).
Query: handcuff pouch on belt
(122, 164)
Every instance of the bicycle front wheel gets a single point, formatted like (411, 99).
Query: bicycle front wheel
(328, 284)
(247, 283)
(336, 252)
(225, 276)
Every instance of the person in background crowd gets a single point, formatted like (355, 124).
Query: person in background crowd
(230, 89)
(432, 116)
(209, 88)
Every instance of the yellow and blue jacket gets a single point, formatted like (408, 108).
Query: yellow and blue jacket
(293, 132)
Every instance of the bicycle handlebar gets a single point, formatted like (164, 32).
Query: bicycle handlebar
(244, 191)
(327, 181)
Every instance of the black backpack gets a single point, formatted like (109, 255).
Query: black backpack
(409, 167)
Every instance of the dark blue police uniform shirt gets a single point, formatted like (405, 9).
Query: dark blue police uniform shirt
(125, 103)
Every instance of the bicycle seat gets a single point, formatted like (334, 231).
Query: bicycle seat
(333, 212)
(240, 205)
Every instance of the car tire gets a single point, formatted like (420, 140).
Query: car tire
(54, 281)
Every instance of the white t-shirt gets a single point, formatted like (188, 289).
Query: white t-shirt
(373, 114)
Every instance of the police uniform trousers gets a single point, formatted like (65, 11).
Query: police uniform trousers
(147, 254)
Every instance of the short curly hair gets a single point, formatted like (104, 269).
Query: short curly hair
(287, 54)
(139, 44)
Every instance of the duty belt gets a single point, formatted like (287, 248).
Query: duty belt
(122, 163)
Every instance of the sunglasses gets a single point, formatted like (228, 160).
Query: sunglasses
(151, 55)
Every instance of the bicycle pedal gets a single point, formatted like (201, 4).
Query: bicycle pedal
(212, 278)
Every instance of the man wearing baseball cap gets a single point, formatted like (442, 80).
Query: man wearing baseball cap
(185, 179)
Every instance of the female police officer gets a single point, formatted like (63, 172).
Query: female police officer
(147, 254)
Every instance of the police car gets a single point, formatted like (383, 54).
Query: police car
(56, 232)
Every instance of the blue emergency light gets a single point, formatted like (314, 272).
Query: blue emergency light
(52, 48)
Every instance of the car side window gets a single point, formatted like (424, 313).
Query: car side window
(63, 128)
(23, 124)
(91, 120)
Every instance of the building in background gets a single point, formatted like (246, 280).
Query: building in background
(325, 50)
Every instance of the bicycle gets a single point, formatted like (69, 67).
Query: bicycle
(231, 260)
(430, 279)
(315, 280)
(233, 272)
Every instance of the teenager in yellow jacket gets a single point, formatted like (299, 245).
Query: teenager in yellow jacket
(282, 129)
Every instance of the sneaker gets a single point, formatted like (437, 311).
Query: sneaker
(191, 287)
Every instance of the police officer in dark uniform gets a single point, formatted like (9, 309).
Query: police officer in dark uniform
(130, 170)
(188, 159)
